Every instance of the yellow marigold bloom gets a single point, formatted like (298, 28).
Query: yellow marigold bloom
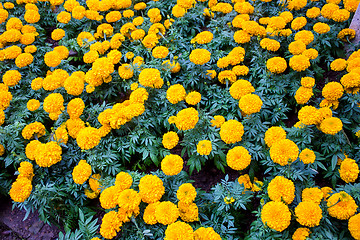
(313, 12)
(123, 181)
(206, 234)
(299, 63)
(276, 23)
(178, 11)
(193, 98)
(88, 138)
(241, 37)
(129, 200)
(81, 172)
(298, 23)
(151, 188)
(331, 125)
(301, 234)
(84, 38)
(222, 7)
(188, 212)
(138, 34)
(9, 5)
(75, 108)
(308, 213)
(240, 70)
(61, 135)
(139, 95)
(53, 103)
(27, 38)
(166, 213)
(26, 170)
(284, 152)
(231, 131)
(238, 158)
(217, 121)
(149, 213)
(36, 83)
(281, 189)
(149, 77)
(31, 16)
(270, 44)
(138, 61)
(276, 215)
(2, 117)
(346, 34)
(287, 16)
(92, 195)
(150, 40)
(172, 164)
(297, 47)
(31, 149)
(110, 225)
(12, 52)
(340, 15)
(74, 85)
(128, 13)
(309, 115)
(126, 71)
(307, 82)
(244, 8)
(250, 103)
(186, 193)
(14, 23)
(296, 4)
(321, 28)
(177, 229)
(303, 95)
(203, 37)
(173, 66)
(332, 91)
(176, 93)
(326, 191)
(351, 5)
(5, 98)
(312, 194)
(227, 75)
(94, 183)
(170, 140)
(3, 15)
(63, 17)
(140, 6)
(274, 134)
(90, 56)
(33, 105)
(20, 190)
(108, 197)
(276, 65)
(349, 170)
(200, 56)
(187, 118)
(48, 154)
(311, 53)
(52, 59)
(350, 80)
(354, 226)
(341, 206)
(211, 73)
(138, 21)
(241, 88)
(304, 35)
(2, 150)
(33, 128)
(307, 156)
(11, 78)
(204, 147)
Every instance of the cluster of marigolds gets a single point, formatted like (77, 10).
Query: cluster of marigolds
(104, 56)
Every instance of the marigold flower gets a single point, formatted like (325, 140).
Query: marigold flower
(231, 131)
(332, 91)
(307, 156)
(284, 152)
(250, 103)
(186, 193)
(204, 147)
(276, 65)
(61, 135)
(193, 98)
(187, 118)
(238, 158)
(129, 200)
(227, 75)
(349, 170)
(304, 35)
(350, 80)
(281, 189)
(3, 15)
(36, 83)
(149, 77)
(297, 47)
(274, 134)
(312, 194)
(173, 66)
(299, 63)
(33, 128)
(81, 172)
(20, 190)
(123, 181)
(309, 115)
(110, 225)
(217, 121)
(346, 34)
(200, 56)
(151, 188)
(52, 59)
(303, 95)
(313, 12)
(240, 70)
(244, 8)
(353, 226)
(63, 17)
(276, 215)
(331, 125)
(341, 206)
(33, 105)
(108, 197)
(321, 28)
(270, 44)
(170, 140)
(26, 170)
(203, 37)
(48, 154)
(166, 213)
(31, 16)
(241, 37)
(175, 93)
(88, 138)
(308, 213)
(206, 233)
(149, 213)
(174, 230)
(11, 78)
(172, 164)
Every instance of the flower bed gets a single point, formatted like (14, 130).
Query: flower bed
(96, 93)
